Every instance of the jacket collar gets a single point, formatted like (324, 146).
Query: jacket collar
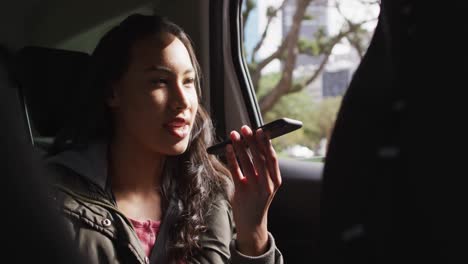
(90, 162)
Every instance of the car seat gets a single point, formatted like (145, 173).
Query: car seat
(49, 82)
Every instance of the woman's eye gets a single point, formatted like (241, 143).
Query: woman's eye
(158, 81)
(189, 81)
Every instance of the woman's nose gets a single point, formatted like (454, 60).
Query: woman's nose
(180, 97)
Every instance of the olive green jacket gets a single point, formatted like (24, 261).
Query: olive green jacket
(104, 235)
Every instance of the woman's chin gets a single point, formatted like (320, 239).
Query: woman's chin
(171, 148)
(176, 153)
(177, 150)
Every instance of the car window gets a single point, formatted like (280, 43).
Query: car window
(301, 55)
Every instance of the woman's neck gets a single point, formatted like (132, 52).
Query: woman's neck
(133, 168)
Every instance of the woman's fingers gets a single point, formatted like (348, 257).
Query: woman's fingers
(270, 157)
(258, 156)
(248, 170)
(236, 171)
(261, 166)
(254, 167)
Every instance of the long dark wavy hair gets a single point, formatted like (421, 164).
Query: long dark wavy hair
(196, 177)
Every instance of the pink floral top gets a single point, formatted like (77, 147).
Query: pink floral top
(147, 232)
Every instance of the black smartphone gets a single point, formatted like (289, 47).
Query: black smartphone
(275, 129)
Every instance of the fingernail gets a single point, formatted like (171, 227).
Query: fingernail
(260, 134)
(233, 135)
(245, 130)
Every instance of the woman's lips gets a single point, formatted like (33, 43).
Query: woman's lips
(177, 129)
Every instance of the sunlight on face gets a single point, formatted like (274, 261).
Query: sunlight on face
(155, 102)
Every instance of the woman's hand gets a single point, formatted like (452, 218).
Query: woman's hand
(256, 178)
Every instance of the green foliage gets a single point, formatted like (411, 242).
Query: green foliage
(324, 115)
(252, 66)
(308, 17)
(297, 106)
(318, 117)
(247, 8)
(307, 46)
(319, 44)
(271, 11)
(250, 4)
(266, 83)
(321, 34)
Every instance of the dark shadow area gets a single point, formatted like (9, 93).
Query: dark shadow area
(32, 229)
(294, 213)
(66, 17)
(392, 182)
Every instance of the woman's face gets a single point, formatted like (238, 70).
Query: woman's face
(155, 101)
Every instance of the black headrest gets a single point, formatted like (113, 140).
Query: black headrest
(49, 80)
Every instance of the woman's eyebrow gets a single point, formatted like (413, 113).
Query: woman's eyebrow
(166, 69)
(159, 68)
(191, 70)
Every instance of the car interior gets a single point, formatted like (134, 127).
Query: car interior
(51, 55)
(45, 50)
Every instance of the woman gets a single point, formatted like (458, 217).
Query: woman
(133, 177)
